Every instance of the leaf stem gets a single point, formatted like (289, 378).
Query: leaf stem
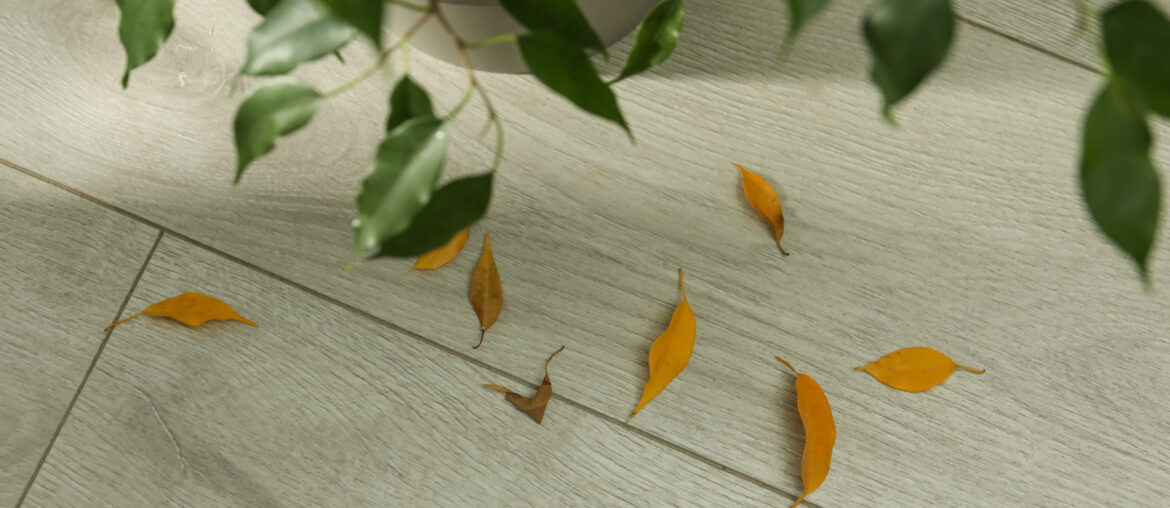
(969, 369)
(789, 365)
(490, 41)
(384, 56)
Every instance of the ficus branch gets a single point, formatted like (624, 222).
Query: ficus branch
(474, 85)
(385, 55)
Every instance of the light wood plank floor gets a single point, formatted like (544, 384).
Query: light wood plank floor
(962, 230)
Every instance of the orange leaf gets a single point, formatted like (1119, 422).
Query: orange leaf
(671, 351)
(764, 199)
(191, 309)
(820, 433)
(536, 404)
(914, 369)
(487, 295)
(443, 255)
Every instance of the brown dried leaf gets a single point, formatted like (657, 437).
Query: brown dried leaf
(536, 404)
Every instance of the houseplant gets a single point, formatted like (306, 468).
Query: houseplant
(400, 212)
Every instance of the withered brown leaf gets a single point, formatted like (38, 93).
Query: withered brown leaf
(536, 404)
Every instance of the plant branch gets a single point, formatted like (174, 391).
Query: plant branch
(461, 47)
(385, 55)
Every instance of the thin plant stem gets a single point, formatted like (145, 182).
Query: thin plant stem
(384, 56)
(490, 41)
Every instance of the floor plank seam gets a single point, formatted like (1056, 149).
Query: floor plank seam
(1035, 47)
(92, 364)
(383, 322)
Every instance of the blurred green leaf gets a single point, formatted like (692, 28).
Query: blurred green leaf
(1137, 45)
(1118, 179)
(801, 12)
(453, 208)
(364, 15)
(564, 67)
(908, 39)
(408, 100)
(561, 17)
(143, 28)
(263, 6)
(405, 171)
(657, 36)
(272, 110)
(294, 32)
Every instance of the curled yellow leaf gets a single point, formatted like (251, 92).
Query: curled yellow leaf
(487, 294)
(443, 255)
(191, 309)
(764, 199)
(914, 369)
(820, 432)
(671, 351)
(536, 404)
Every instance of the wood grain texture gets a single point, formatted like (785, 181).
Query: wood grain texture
(962, 230)
(65, 267)
(1048, 24)
(322, 407)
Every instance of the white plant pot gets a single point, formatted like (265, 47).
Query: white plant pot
(476, 20)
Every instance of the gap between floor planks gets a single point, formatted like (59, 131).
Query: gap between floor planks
(92, 363)
(163, 230)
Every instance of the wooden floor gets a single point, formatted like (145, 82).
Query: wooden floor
(962, 230)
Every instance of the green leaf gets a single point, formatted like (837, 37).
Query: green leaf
(657, 36)
(364, 15)
(561, 17)
(565, 68)
(1118, 179)
(408, 100)
(275, 109)
(294, 32)
(144, 27)
(453, 208)
(908, 39)
(400, 183)
(263, 6)
(1137, 45)
(801, 12)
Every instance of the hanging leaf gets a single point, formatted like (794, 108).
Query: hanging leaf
(657, 36)
(275, 109)
(564, 67)
(914, 369)
(801, 12)
(443, 255)
(671, 351)
(487, 294)
(820, 433)
(263, 6)
(561, 17)
(400, 183)
(908, 39)
(408, 100)
(1118, 179)
(536, 404)
(364, 15)
(143, 28)
(1137, 44)
(294, 32)
(764, 199)
(191, 309)
(454, 207)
